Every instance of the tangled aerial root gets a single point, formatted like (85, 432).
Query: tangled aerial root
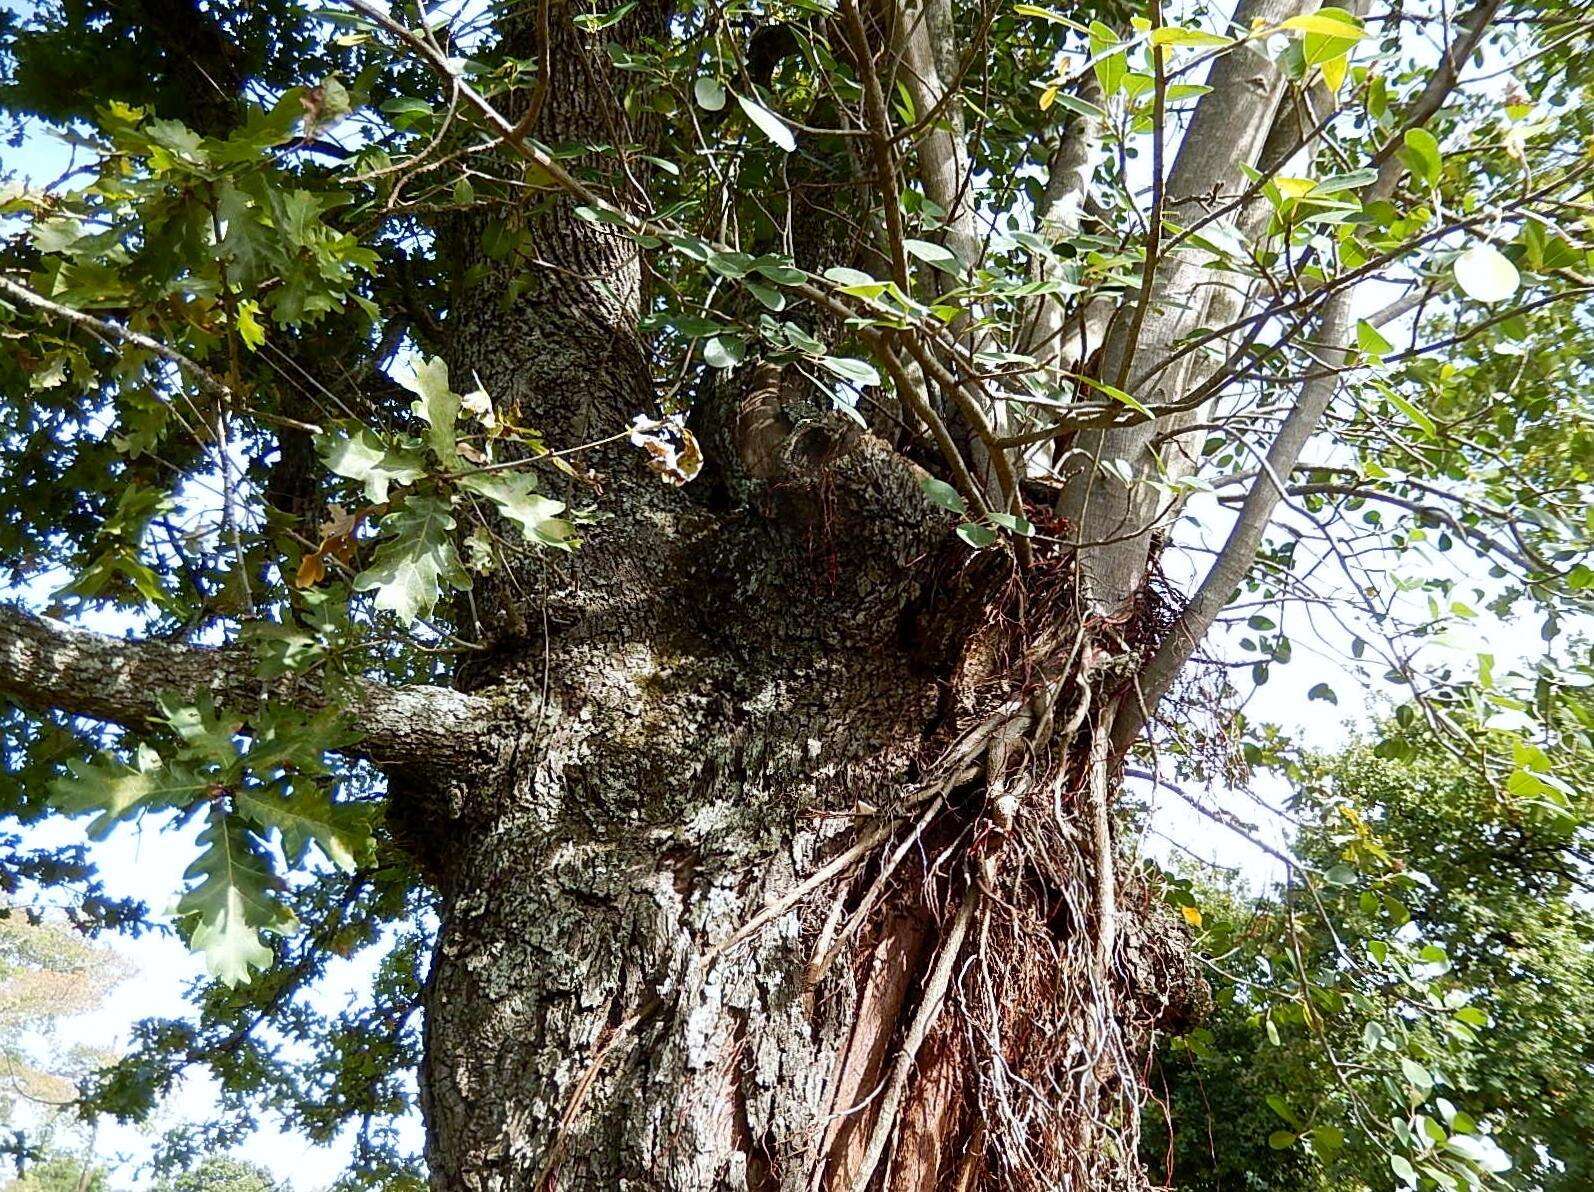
(1019, 1056)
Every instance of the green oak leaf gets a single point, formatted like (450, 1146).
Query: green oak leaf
(234, 901)
(416, 559)
(515, 495)
(282, 649)
(306, 816)
(118, 791)
(363, 457)
(208, 735)
(246, 242)
(438, 406)
(285, 737)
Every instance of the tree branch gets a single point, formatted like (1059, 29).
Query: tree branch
(927, 44)
(1070, 172)
(48, 665)
(1484, 543)
(207, 380)
(1239, 550)
(1227, 131)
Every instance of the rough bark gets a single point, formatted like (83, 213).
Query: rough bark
(630, 989)
(716, 917)
(714, 708)
(723, 693)
(684, 781)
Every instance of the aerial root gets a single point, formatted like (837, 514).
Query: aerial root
(930, 1003)
(1016, 1063)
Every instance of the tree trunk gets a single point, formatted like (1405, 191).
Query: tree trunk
(791, 860)
(577, 1019)
(789, 874)
(631, 987)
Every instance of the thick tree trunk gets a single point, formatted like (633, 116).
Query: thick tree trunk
(789, 874)
(729, 692)
(613, 1004)
(579, 1019)
(769, 889)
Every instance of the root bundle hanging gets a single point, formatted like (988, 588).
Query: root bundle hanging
(1017, 1057)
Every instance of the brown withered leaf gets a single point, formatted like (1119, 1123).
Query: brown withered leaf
(671, 448)
(312, 570)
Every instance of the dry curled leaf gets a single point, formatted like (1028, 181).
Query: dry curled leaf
(312, 570)
(337, 541)
(671, 448)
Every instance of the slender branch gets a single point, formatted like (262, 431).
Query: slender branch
(48, 665)
(879, 128)
(1475, 23)
(1217, 815)
(1480, 540)
(207, 380)
(1148, 276)
(1239, 550)
(909, 391)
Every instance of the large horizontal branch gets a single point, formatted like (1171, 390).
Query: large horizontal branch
(48, 665)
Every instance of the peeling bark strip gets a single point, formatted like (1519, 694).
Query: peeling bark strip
(47, 664)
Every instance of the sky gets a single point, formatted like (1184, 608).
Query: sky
(147, 863)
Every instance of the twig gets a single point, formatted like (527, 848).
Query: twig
(208, 381)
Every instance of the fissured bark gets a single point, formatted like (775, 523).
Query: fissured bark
(729, 691)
